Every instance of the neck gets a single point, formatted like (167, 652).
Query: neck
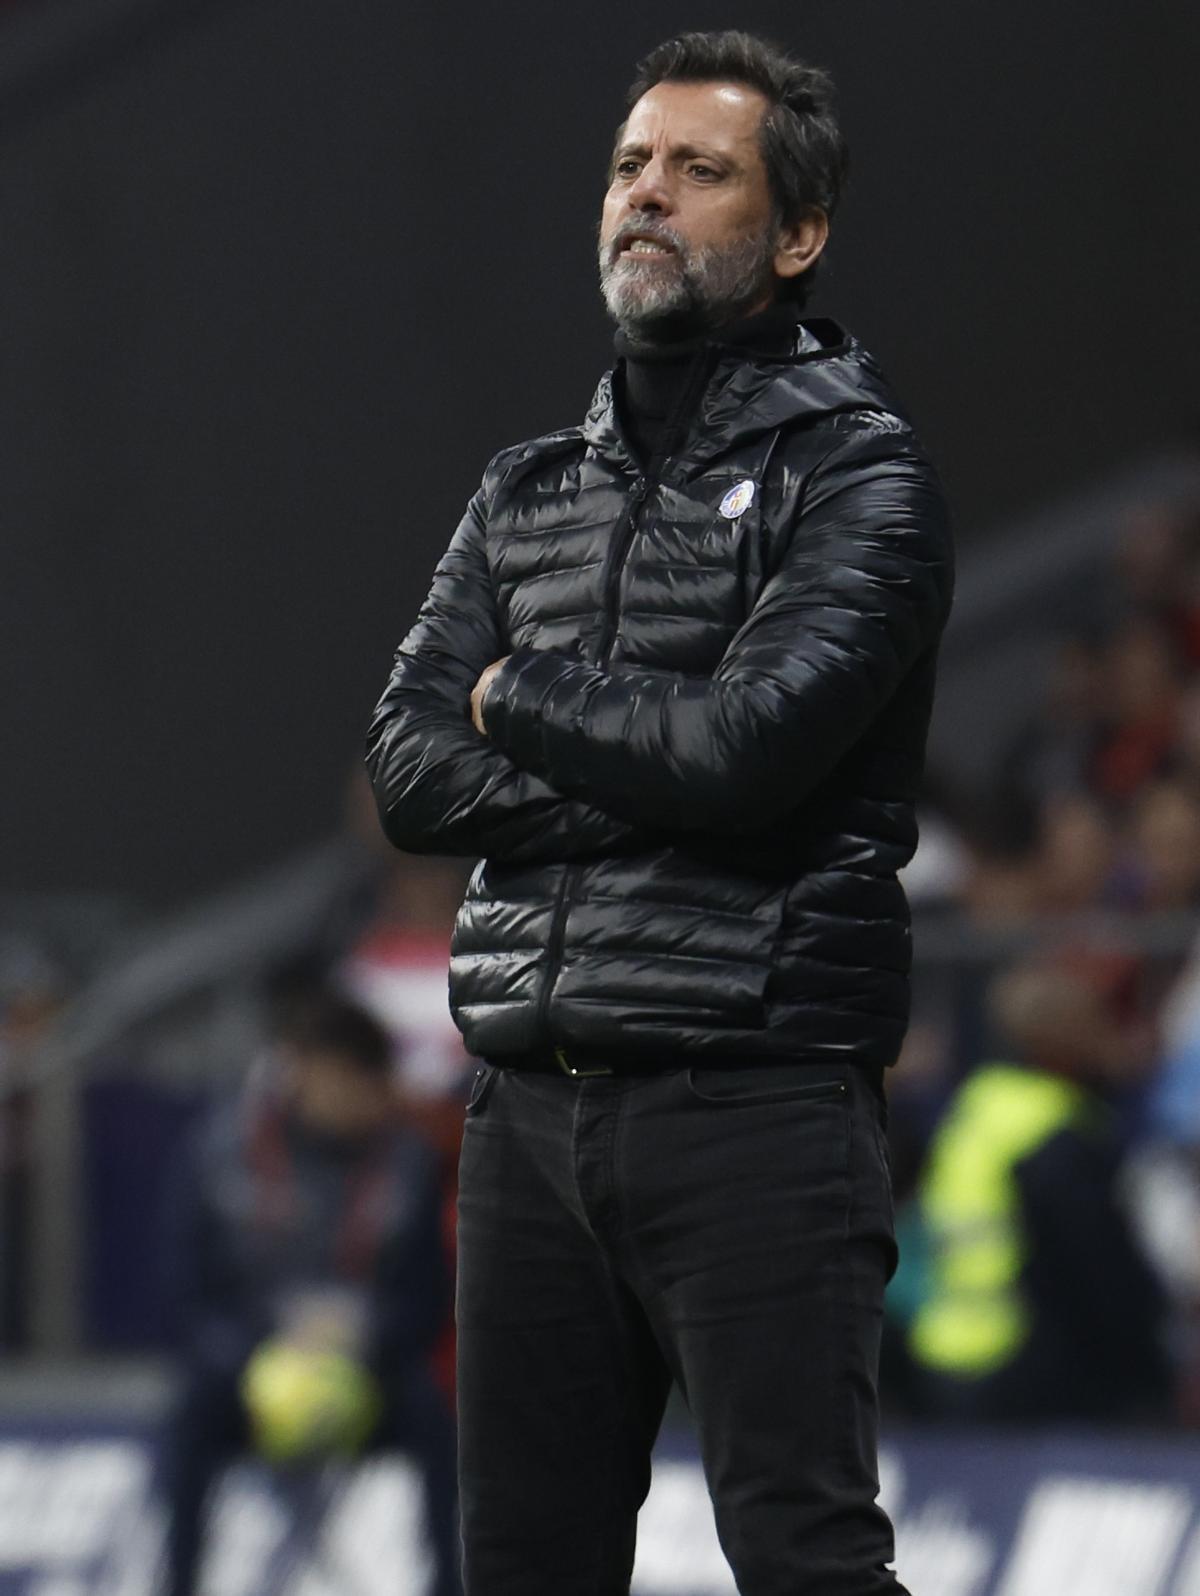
(688, 329)
(659, 383)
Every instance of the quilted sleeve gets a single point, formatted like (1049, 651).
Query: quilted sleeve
(440, 787)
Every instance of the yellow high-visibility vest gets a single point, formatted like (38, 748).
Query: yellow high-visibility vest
(975, 1318)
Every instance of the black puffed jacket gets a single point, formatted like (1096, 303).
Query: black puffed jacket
(698, 779)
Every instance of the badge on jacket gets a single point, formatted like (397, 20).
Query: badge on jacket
(737, 501)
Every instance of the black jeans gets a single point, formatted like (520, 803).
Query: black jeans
(729, 1228)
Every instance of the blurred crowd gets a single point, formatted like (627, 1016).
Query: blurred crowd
(1045, 1114)
(1046, 1110)
(1095, 803)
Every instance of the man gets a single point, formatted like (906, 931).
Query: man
(1038, 1305)
(697, 635)
(308, 1273)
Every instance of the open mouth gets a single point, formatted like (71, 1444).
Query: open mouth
(641, 246)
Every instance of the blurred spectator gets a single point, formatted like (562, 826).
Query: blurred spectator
(920, 1086)
(1158, 569)
(196, 989)
(1077, 853)
(309, 1279)
(1185, 763)
(1143, 686)
(181, 1006)
(396, 968)
(1162, 869)
(1000, 887)
(1164, 1178)
(1038, 1305)
(1104, 778)
(1052, 753)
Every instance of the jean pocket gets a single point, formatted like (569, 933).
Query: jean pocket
(764, 1083)
(481, 1089)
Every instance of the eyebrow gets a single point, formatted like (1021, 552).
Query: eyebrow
(682, 152)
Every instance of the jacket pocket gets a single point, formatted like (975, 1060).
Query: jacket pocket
(764, 1083)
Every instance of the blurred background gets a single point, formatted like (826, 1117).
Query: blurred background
(277, 282)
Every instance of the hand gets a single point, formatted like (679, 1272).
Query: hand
(477, 692)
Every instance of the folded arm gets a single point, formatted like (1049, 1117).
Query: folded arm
(862, 593)
(439, 785)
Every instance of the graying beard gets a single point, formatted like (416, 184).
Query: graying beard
(714, 285)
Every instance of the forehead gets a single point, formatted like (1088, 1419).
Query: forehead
(721, 116)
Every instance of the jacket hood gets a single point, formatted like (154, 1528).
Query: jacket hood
(826, 374)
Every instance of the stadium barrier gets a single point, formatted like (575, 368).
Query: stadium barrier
(976, 1514)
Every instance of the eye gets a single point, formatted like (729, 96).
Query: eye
(700, 170)
(627, 168)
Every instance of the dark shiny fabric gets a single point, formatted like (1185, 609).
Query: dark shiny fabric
(698, 781)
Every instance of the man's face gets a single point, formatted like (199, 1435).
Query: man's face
(687, 231)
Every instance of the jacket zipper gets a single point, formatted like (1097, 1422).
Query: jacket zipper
(554, 947)
(618, 548)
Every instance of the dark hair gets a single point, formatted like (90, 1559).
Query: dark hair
(802, 145)
(322, 1021)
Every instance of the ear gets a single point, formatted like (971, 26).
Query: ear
(799, 244)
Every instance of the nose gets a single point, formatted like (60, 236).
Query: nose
(649, 190)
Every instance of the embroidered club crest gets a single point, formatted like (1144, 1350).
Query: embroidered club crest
(737, 501)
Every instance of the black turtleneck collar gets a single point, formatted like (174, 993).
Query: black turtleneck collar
(660, 383)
